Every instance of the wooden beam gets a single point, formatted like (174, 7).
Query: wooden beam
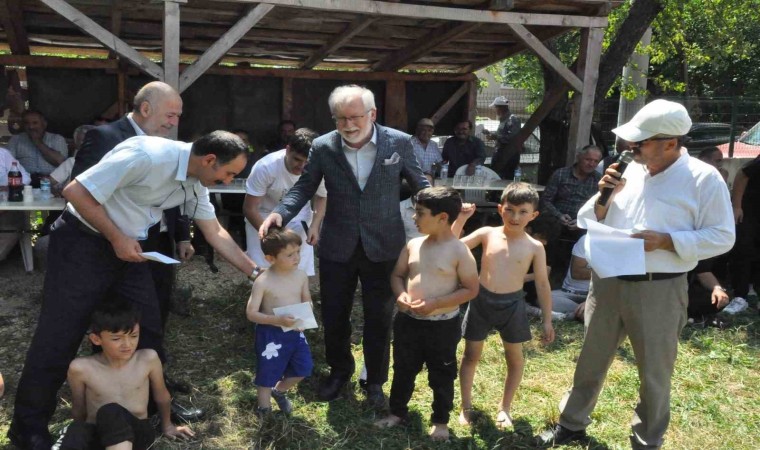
(13, 23)
(472, 100)
(116, 8)
(351, 30)
(583, 104)
(287, 98)
(395, 105)
(436, 37)
(448, 104)
(406, 10)
(57, 62)
(223, 44)
(549, 58)
(171, 44)
(105, 37)
(512, 49)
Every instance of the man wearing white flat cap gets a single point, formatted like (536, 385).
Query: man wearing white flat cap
(509, 126)
(680, 207)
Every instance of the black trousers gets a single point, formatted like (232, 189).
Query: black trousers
(113, 425)
(744, 261)
(700, 302)
(338, 284)
(163, 274)
(433, 343)
(83, 271)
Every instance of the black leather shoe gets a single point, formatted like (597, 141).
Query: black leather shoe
(375, 397)
(559, 435)
(176, 386)
(330, 388)
(182, 414)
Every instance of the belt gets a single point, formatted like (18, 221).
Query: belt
(651, 276)
(71, 219)
(574, 292)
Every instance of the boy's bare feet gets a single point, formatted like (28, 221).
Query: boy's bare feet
(465, 416)
(389, 421)
(503, 420)
(439, 432)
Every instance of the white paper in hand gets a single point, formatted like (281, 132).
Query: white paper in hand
(613, 252)
(303, 313)
(159, 257)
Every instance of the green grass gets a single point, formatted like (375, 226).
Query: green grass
(715, 399)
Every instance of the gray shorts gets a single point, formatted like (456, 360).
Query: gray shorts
(503, 312)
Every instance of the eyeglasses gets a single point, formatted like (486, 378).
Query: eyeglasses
(637, 145)
(352, 119)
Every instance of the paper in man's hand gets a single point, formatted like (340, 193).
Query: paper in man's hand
(159, 257)
(613, 252)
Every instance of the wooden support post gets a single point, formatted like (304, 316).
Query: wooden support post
(105, 37)
(448, 104)
(472, 101)
(395, 105)
(121, 78)
(171, 43)
(546, 56)
(287, 99)
(13, 24)
(583, 103)
(116, 10)
(351, 30)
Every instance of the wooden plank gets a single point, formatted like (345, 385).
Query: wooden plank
(439, 36)
(121, 79)
(472, 101)
(171, 44)
(57, 62)
(13, 23)
(426, 12)
(508, 49)
(116, 8)
(223, 44)
(583, 105)
(395, 105)
(338, 41)
(501, 5)
(105, 37)
(287, 98)
(448, 104)
(546, 56)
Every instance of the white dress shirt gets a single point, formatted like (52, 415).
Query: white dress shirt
(689, 200)
(363, 159)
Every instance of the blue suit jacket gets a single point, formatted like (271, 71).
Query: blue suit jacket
(98, 142)
(372, 214)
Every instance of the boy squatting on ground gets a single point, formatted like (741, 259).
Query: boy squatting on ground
(508, 253)
(109, 390)
(283, 358)
(434, 274)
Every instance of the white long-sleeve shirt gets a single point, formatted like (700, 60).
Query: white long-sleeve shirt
(6, 162)
(689, 200)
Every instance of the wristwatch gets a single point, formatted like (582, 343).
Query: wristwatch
(256, 272)
(720, 287)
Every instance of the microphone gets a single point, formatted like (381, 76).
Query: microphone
(623, 160)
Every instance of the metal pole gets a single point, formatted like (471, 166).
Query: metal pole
(732, 136)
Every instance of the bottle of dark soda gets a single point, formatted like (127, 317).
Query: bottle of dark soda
(15, 184)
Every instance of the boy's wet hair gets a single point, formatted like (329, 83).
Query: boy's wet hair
(278, 239)
(546, 226)
(518, 193)
(441, 199)
(115, 316)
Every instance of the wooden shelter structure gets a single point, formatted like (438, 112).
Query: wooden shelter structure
(392, 42)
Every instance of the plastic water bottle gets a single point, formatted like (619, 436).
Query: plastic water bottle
(444, 171)
(518, 175)
(45, 193)
(480, 177)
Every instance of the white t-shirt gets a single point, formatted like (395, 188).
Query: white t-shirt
(569, 282)
(270, 180)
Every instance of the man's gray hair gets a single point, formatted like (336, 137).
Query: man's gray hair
(153, 93)
(587, 149)
(344, 94)
(79, 133)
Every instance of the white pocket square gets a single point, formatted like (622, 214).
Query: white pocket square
(394, 159)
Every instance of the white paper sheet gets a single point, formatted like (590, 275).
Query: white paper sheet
(613, 252)
(159, 257)
(303, 313)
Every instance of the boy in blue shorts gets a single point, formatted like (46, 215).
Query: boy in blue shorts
(508, 252)
(283, 358)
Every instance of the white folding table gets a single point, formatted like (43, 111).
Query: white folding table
(53, 204)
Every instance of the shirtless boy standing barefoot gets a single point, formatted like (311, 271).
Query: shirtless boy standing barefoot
(508, 253)
(433, 276)
(109, 390)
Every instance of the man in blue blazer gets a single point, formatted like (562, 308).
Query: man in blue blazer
(362, 164)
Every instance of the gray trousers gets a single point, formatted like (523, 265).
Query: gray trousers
(651, 314)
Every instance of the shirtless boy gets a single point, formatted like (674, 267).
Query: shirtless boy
(508, 253)
(283, 358)
(433, 275)
(109, 390)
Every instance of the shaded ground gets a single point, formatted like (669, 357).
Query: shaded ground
(715, 401)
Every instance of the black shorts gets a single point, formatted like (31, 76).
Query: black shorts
(114, 425)
(503, 312)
